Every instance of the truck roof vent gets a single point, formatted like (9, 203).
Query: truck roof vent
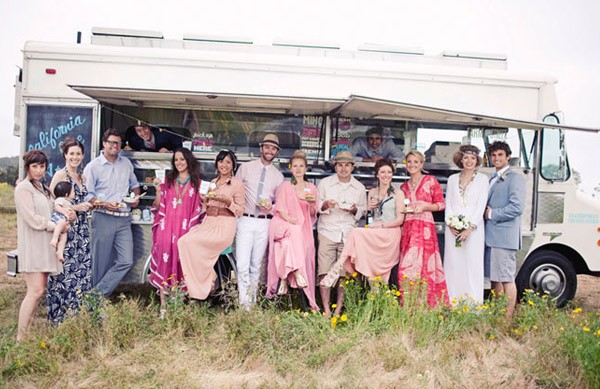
(306, 45)
(217, 39)
(122, 32)
(391, 49)
(475, 55)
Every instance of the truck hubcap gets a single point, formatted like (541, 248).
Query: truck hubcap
(548, 279)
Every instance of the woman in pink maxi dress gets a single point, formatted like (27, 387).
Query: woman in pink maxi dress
(420, 253)
(176, 209)
(375, 250)
(291, 242)
(200, 248)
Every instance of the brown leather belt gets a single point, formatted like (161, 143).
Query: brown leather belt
(217, 211)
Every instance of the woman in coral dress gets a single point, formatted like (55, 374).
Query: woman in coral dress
(291, 242)
(420, 253)
(200, 248)
(176, 209)
(375, 250)
(466, 195)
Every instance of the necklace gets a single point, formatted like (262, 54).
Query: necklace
(463, 186)
(180, 193)
(184, 181)
(414, 183)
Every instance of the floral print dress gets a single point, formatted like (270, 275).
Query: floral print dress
(66, 288)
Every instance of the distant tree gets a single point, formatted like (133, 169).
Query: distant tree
(9, 174)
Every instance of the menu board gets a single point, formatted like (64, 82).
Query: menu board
(310, 136)
(49, 125)
(341, 135)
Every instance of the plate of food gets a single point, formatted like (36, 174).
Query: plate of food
(132, 198)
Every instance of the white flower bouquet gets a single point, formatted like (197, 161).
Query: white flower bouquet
(459, 223)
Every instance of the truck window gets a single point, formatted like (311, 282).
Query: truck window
(554, 163)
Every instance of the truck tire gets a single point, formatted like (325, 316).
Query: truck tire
(551, 273)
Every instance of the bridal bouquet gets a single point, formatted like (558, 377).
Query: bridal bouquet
(459, 223)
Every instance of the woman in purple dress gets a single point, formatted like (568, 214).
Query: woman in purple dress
(177, 208)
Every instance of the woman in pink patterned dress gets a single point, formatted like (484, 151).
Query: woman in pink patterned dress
(291, 242)
(420, 254)
(176, 208)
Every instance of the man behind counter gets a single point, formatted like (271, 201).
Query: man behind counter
(144, 138)
(375, 147)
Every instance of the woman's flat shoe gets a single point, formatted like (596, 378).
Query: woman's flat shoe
(333, 275)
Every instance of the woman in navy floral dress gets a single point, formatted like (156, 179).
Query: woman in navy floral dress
(65, 289)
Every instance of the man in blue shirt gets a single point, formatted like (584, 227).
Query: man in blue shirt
(375, 147)
(109, 178)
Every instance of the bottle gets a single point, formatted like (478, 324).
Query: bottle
(369, 218)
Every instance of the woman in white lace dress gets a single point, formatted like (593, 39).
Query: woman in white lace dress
(466, 195)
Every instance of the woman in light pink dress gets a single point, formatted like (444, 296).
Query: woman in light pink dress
(176, 208)
(200, 248)
(291, 242)
(375, 250)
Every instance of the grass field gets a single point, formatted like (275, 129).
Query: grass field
(376, 343)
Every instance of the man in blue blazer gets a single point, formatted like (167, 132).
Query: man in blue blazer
(144, 138)
(506, 201)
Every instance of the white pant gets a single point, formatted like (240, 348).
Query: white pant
(251, 241)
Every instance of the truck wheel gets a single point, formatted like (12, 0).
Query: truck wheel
(548, 272)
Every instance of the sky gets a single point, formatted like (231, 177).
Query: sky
(547, 36)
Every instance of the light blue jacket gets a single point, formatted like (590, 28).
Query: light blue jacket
(507, 200)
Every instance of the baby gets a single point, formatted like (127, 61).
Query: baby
(64, 194)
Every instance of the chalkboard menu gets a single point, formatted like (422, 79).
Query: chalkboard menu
(49, 125)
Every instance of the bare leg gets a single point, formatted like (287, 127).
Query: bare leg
(339, 301)
(61, 227)
(36, 288)
(510, 290)
(60, 247)
(325, 297)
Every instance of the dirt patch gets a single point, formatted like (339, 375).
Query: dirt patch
(588, 290)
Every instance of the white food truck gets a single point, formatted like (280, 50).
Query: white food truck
(228, 93)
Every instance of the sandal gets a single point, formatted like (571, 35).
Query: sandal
(300, 280)
(283, 287)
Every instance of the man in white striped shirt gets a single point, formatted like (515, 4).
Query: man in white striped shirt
(261, 179)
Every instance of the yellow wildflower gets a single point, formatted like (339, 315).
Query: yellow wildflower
(404, 276)
(454, 301)
(43, 344)
(411, 283)
(19, 363)
(334, 306)
(492, 337)
(398, 293)
(562, 329)
(355, 274)
(344, 318)
(586, 329)
(531, 303)
(577, 310)
(466, 308)
(598, 332)
(305, 314)
(441, 317)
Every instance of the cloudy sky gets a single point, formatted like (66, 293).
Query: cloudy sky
(549, 36)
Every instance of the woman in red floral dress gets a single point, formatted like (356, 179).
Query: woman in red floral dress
(420, 254)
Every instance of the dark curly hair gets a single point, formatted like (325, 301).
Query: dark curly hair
(500, 145)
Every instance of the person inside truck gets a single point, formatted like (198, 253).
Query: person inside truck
(144, 138)
(375, 147)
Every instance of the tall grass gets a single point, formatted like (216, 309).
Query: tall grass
(376, 342)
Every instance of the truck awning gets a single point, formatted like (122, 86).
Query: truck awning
(373, 108)
(209, 100)
(353, 107)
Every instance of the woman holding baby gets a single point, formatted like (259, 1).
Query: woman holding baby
(66, 288)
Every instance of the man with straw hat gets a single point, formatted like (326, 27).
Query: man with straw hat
(261, 179)
(343, 201)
